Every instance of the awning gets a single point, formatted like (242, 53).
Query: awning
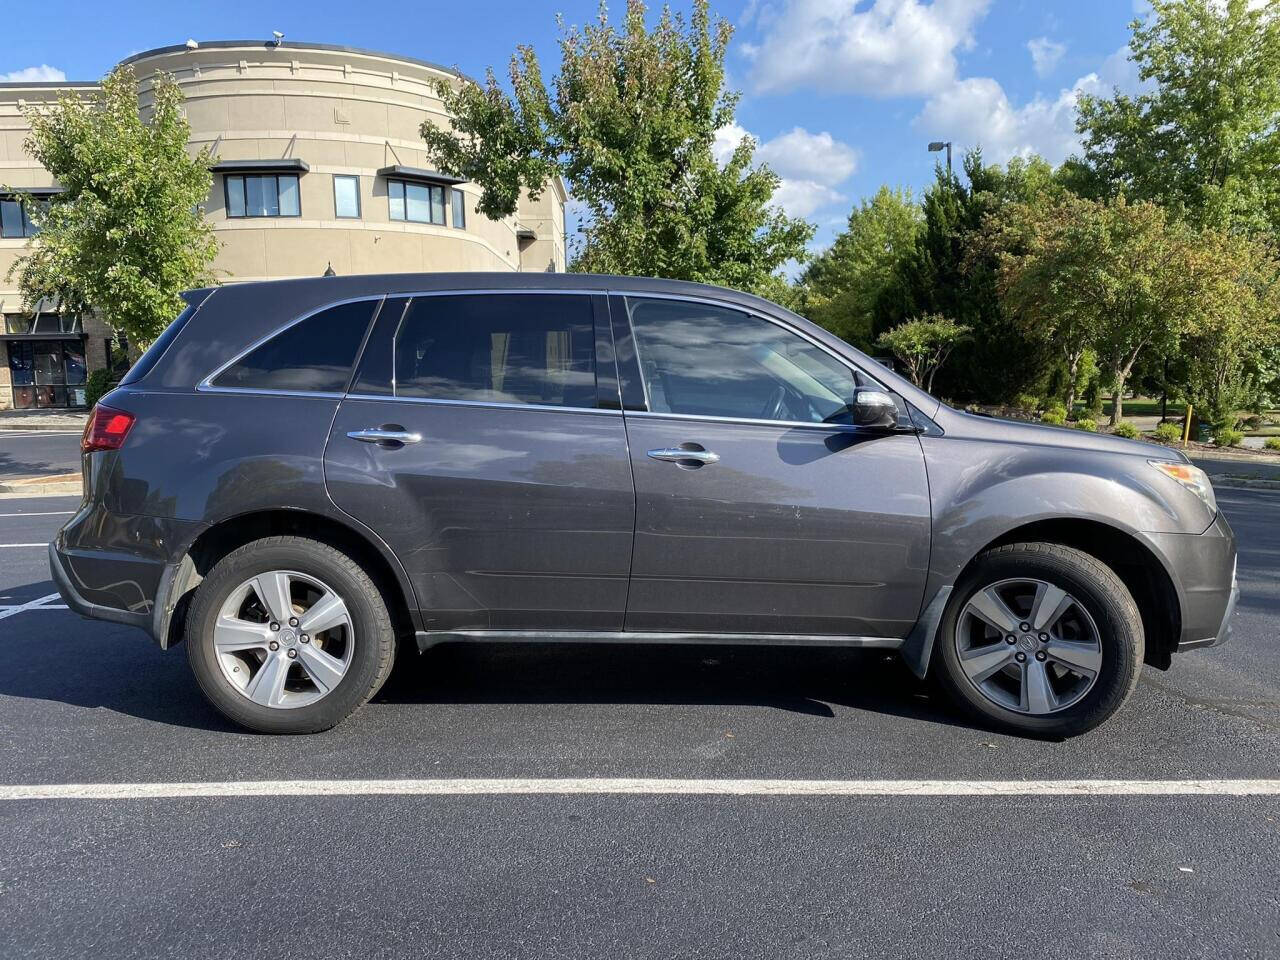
(279, 165)
(418, 175)
(33, 191)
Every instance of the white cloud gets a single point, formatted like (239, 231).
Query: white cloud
(818, 157)
(810, 165)
(890, 48)
(1045, 55)
(976, 111)
(41, 74)
(800, 198)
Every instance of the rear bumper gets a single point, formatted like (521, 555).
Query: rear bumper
(119, 568)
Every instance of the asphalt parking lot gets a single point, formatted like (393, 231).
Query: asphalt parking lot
(586, 875)
(38, 453)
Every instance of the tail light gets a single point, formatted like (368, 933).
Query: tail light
(106, 429)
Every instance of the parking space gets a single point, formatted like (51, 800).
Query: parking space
(680, 873)
(38, 453)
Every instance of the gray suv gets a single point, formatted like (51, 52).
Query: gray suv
(300, 475)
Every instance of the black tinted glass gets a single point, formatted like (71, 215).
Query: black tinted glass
(498, 348)
(313, 355)
(158, 347)
(708, 361)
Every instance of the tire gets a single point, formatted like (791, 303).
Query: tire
(329, 675)
(1015, 696)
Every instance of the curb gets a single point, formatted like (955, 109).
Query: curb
(1225, 482)
(67, 484)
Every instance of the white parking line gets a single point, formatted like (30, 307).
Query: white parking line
(41, 603)
(9, 545)
(46, 513)
(735, 788)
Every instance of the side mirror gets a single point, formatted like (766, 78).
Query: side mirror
(874, 408)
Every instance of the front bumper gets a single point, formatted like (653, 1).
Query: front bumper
(1203, 570)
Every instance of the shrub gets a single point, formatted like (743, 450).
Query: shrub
(1054, 415)
(1088, 425)
(1228, 437)
(1273, 443)
(1169, 433)
(1125, 429)
(98, 384)
(1027, 401)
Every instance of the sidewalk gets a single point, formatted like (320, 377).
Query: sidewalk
(43, 419)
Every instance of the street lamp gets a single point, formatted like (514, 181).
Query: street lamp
(941, 145)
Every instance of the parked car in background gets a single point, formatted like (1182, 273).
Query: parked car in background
(298, 476)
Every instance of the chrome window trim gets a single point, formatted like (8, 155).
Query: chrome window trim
(206, 385)
(386, 397)
(802, 424)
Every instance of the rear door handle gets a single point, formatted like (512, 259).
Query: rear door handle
(688, 455)
(385, 435)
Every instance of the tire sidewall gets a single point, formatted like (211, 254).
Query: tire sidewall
(1107, 601)
(369, 619)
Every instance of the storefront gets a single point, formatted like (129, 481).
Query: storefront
(46, 361)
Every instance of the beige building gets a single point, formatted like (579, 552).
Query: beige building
(318, 165)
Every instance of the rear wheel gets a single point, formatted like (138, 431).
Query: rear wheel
(1040, 639)
(289, 635)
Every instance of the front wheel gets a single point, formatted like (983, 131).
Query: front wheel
(1040, 639)
(289, 635)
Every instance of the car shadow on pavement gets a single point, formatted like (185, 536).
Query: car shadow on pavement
(805, 680)
(58, 657)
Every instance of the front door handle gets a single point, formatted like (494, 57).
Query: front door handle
(688, 455)
(392, 435)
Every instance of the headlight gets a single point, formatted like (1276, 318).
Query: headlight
(1193, 478)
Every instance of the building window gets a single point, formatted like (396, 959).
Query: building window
(415, 202)
(46, 373)
(262, 195)
(14, 222)
(346, 197)
(459, 209)
(49, 322)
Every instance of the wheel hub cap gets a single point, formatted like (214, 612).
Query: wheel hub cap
(1028, 646)
(258, 642)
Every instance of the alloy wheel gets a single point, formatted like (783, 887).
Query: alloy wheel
(283, 639)
(1028, 646)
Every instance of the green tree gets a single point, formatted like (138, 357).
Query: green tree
(1112, 272)
(1233, 334)
(1205, 139)
(923, 345)
(951, 272)
(126, 236)
(630, 126)
(855, 278)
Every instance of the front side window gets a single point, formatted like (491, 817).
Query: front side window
(312, 356)
(415, 202)
(508, 348)
(15, 221)
(262, 195)
(704, 360)
(346, 197)
(459, 208)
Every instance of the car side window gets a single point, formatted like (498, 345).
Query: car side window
(704, 360)
(498, 348)
(314, 355)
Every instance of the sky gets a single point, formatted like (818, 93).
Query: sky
(841, 95)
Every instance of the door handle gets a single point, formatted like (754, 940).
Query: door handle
(390, 434)
(686, 455)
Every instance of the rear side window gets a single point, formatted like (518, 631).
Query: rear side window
(158, 347)
(314, 355)
(503, 348)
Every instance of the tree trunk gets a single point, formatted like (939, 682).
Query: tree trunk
(1073, 373)
(1117, 396)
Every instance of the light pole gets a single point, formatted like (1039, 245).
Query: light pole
(940, 145)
